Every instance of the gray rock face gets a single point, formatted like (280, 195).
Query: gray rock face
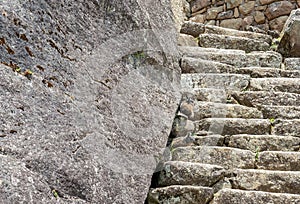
(85, 126)
(290, 43)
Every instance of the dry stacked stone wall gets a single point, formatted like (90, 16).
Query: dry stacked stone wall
(242, 14)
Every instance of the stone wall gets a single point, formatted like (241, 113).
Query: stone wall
(240, 14)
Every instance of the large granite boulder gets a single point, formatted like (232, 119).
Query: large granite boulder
(289, 45)
(88, 93)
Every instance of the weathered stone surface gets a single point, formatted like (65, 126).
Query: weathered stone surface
(283, 112)
(188, 173)
(236, 13)
(270, 181)
(247, 7)
(278, 23)
(209, 94)
(187, 40)
(232, 42)
(264, 59)
(287, 127)
(233, 3)
(103, 73)
(226, 157)
(277, 9)
(292, 63)
(290, 42)
(264, 2)
(221, 110)
(259, 72)
(209, 140)
(181, 126)
(291, 85)
(200, 18)
(192, 28)
(180, 9)
(197, 5)
(213, 12)
(257, 98)
(194, 65)
(259, 143)
(180, 195)
(225, 15)
(234, 196)
(228, 81)
(259, 17)
(237, 33)
(232, 23)
(233, 126)
(247, 21)
(282, 161)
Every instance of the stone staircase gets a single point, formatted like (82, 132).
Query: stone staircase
(244, 110)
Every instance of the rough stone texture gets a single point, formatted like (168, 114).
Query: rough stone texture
(220, 110)
(223, 156)
(192, 28)
(264, 59)
(292, 63)
(187, 40)
(282, 161)
(277, 9)
(264, 142)
(287, 127)
(232, 126)
(232, 23)
(259, 17)
(278, 23)
(233, 3)
(291, 85)
(259, 72)
(258, 98)
(247, 7)
(225, 15)
(210, 94)
(188, 173)
(213, 12)
(197, 5)
(194, 65)
(283, 112)
(209, 140)
(232, 42)
(180, 9)
(233, 196)
(270, 181)
(98, 106)
(289, 45)
(180, 195)
(230, 81)
(198, 18)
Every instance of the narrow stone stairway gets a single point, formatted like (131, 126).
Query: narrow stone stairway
(236, 137)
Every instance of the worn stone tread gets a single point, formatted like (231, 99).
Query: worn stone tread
(188, 173)
(210, 94)
(232, 42)
(264, 142)
(267, 180)
(287, 127)
(269, 98)
(234, 126)
(234, 196)
(221, 81)
(178, 194)
(265, 72)
(226, 157)
(208, 140)
(291, 85)
(282, 112)
(279, 160)
(221, 110)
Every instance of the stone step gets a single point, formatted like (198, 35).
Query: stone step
(234, 126)
(194, 65)
(209, 140)
(219, 81)
(180, 194)
(188, 173)
(195, 29)
(221, 110)
(267, 180)
(234, 196)
(237, 58)
(261, 72)
(259, 143)
(292, 63)
(226, 157)
(232, 42)
(279, 160)
(282, 112)
(291, 85)
(287, 127)
(210, 94)
(268, 98)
